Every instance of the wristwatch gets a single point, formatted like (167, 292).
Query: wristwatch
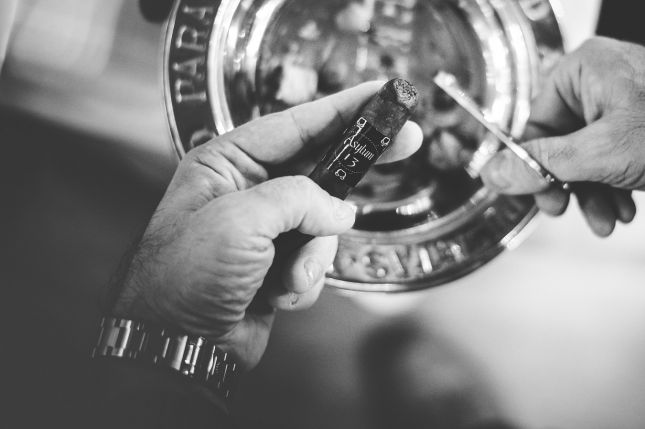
(190, 355)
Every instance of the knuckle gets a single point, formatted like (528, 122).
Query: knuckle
(206, 160)
(199, 152)
(599, 47)
(298, 186)
(551, 155)
(594, 44)
(207, 154)
(207, 169)
(599, 54)
(285, 190)
(276, 187)
(614, 147)
(621, 62)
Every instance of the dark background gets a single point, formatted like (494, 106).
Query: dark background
(619, 19)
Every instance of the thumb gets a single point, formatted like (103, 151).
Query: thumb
(292, 202)
(585, 155)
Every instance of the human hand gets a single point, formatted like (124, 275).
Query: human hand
(209, 245)
(587, 126)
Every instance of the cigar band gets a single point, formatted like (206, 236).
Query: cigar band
(362, 146)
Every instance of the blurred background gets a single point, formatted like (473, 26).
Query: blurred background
(549, 335)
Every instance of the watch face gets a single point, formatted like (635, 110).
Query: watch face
(423, 221)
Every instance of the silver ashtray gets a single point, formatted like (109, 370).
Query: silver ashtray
(424, 221)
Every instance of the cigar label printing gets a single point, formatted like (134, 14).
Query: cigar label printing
(370, 135)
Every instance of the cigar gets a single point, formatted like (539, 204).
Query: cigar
(350, 158)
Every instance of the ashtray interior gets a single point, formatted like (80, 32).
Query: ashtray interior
(311, 48)
(430, 210)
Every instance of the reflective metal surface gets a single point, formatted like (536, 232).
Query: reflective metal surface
(423, 221)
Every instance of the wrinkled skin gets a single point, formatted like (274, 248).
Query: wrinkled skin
(209, 245)
(587, 126)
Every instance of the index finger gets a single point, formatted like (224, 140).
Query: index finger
(274, 138)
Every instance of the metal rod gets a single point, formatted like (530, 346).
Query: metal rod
(449, 84)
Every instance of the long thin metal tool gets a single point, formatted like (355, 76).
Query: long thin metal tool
(449, 84)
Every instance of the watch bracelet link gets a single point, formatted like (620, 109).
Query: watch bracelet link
(190, 355)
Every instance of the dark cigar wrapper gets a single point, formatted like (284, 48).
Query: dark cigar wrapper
(371, 133)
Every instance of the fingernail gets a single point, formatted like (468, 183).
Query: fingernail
(293, 299)
(497, 177)
(313, 270)
(344, 210)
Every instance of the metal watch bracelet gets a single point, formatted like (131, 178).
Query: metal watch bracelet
(190, 355)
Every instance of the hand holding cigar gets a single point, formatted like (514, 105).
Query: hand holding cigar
(349, 159)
